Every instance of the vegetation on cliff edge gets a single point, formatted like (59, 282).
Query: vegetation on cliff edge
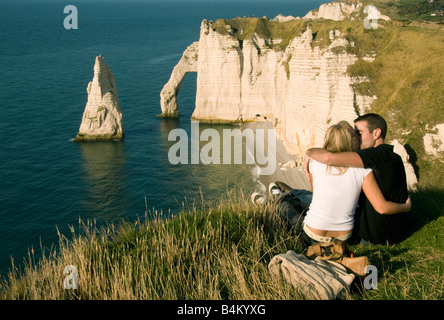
(220, 251)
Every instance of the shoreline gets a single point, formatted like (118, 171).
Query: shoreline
(292, 176)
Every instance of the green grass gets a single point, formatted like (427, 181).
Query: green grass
(219, 252)
(414, 268)
(407, 10)
(243, 28)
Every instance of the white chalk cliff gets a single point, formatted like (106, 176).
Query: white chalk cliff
(302, 89)
(434, 141)
(339, 11)
(334, 11)
(412, 180)
(102, 118)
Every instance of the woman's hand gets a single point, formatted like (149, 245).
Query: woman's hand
(409, 203)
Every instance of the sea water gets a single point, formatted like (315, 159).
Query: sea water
(48, 182)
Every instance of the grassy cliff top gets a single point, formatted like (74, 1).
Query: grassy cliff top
(218, 252)
(243, 28)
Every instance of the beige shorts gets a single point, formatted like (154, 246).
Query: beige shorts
(316, 237)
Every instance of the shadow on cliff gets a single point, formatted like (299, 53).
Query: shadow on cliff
(413, 158)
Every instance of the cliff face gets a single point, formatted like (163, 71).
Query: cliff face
(339, 11)
(301, 88)
(102, 118)
(334, 11)
(236, 79)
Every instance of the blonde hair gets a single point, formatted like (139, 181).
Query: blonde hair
(338, 138)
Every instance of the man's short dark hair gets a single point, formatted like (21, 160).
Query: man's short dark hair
(374, 121)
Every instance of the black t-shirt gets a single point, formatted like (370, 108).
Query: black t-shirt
(390, 175)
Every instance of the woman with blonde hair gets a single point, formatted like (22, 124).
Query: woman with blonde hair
(336, 191)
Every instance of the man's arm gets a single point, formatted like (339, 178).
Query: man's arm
(340, 159)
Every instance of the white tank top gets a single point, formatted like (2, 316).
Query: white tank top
(335, 197)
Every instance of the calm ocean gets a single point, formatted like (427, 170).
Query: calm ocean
(49, 182)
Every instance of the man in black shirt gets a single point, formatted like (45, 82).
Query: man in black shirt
(370, 225)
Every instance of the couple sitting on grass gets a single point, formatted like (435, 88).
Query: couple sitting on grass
(351, 160)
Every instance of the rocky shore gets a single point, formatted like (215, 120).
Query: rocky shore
(288, 167)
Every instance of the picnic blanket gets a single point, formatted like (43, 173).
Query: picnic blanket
(315, 279)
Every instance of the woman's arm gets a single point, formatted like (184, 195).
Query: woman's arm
(376, 198)
(340, 159)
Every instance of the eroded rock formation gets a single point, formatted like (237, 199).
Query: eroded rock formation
(412, 180)
(339, 11)
(302, 89)
(334, 11)
(102, 118)
(168, 96)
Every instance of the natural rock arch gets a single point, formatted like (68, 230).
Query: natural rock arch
(168, 95)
